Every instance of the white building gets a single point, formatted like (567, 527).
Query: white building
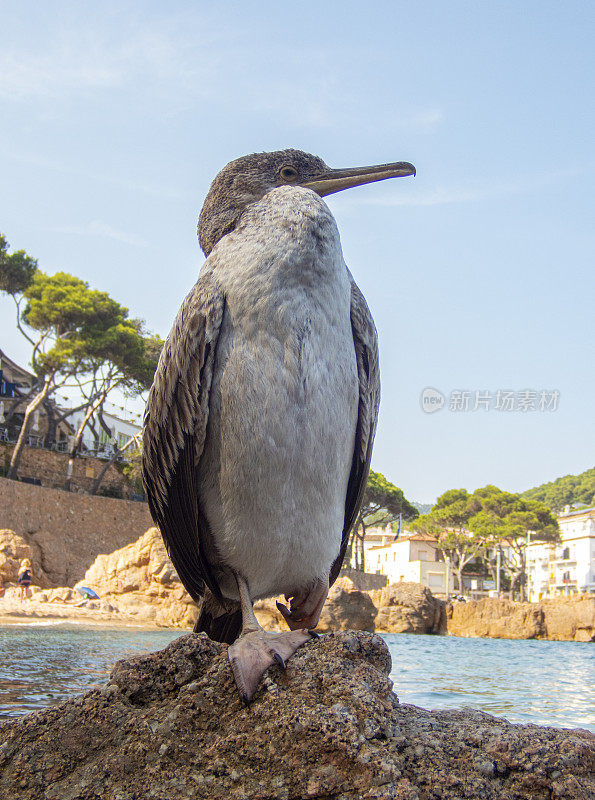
(121, 430)
(538, 570)
(412, 557)
(567, 567)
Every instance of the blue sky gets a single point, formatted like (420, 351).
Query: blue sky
(479, 271)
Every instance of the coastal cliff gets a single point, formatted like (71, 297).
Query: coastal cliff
(171, 725)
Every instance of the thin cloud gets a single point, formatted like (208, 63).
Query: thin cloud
(78, 63)
(442, 195)
(102, 230)
(307, 91)
(32, 159)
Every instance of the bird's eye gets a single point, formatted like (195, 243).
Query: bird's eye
(288, 174)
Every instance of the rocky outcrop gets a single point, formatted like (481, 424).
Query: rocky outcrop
(171, 725)
(563, 618)
(141, 581)
(499, 619)
(408, 608)
(569, 618)
(13, 549)
(347, 609)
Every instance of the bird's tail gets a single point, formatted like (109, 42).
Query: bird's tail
(221, 625)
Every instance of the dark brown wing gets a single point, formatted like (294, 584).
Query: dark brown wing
(365, 341)
(174, 433)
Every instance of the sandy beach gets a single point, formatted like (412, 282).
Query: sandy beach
(15, 612)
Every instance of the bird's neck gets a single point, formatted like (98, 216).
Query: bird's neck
(215, 223)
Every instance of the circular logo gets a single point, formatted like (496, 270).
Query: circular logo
(431, 400)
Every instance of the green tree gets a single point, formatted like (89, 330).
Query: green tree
(75, 331)
(468, 526)
(383, 503)
(509, 522)
(117, 354)
(17, 271)
(134, 375)
(448, 523)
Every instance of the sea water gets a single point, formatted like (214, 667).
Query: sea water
(546, 683)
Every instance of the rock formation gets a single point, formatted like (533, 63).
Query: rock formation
(408, 608)
(13, 549)
(140, 580)
(65, 530)
(569, 618)
(563, 618)
(500, 619)
(138, 583)
(347, 608)
(171, 725)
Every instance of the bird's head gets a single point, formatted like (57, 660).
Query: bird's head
(246, 180)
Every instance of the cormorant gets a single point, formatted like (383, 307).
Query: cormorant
(260, 422)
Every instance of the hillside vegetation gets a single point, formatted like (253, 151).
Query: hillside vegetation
(566, 491)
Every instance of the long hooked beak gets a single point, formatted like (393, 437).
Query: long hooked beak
(335, 180)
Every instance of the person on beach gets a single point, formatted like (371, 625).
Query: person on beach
(25, 578)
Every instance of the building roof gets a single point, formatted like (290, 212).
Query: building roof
(8, 363)
(417, 537)
(136, 425)
(576, 513)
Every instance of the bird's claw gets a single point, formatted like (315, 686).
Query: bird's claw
(304, 610)
(279, 660)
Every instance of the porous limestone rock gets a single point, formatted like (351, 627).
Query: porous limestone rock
(408, 608)
(170, 725)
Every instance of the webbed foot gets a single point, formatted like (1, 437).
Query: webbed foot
(253, 653)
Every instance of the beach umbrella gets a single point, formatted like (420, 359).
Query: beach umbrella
(87, 593)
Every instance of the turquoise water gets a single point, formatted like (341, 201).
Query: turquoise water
(547, 683)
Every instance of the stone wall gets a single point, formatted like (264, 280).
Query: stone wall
(50, 468)
(364, 581)
(68, 531)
